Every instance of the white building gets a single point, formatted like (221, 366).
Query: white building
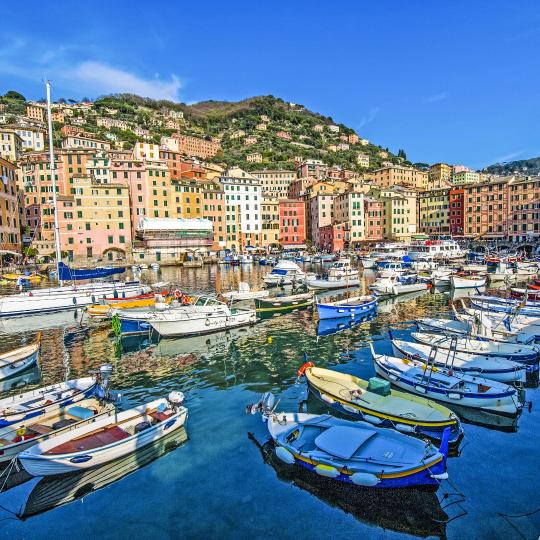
(362, 160)
(32, 138)
(73, 142)
(275, 183)
(243, 197)
(143, 150)
(333, 128)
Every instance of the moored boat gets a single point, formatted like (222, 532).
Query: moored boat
(375, 402)
(17, 360)
(244, 292)
(285, 273)
(467, 282)
(106, 439)
(283, 303)
(356, 453)
(447, 385)
(326, 283)
(347, 307)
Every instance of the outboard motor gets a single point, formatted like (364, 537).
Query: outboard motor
(176, 399)
(103, 375)
(266, 406)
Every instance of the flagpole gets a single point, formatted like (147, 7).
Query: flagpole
(53, 178)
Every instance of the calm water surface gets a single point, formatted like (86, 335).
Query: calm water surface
(213, 480)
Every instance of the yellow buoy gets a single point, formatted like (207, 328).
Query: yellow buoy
(269, 339)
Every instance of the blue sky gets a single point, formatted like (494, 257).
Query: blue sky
(447, 81)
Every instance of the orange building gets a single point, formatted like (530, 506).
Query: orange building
(10, 238)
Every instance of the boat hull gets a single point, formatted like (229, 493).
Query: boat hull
(328, 311)
(277, 304)
(324, 284)
(457, 282)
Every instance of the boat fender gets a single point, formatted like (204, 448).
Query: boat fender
(442, 476)
(350, 409)
(404, 428)
(365, 479)
(93, 299)
(373, 419)
(207, 322)
(284, 455)
(327, 470)
(303, 368)
(328, 399)
(80, 459)
(74, 300)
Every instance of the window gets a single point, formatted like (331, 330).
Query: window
(110, 239)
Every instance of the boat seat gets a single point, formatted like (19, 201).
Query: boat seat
(158, 416)
(40, 429)
(5, 442)
(97, 439)
(343, 441)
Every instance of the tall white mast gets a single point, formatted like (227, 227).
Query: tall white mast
(53, 178)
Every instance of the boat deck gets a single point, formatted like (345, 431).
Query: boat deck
(97, 439)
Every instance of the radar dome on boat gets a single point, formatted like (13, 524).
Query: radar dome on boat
(176, 398)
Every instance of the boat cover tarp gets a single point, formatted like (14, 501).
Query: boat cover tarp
(69, 274)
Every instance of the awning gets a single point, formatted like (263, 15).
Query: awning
(294, 246)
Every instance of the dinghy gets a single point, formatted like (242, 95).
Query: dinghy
(105, 309)
(518, 352)
(244, 292)
(17, 360)
(18, 437)
(447, 385)
(348, 307)
(467, 282)
(326, 283)
(441, 277)
(497, 369)
(106, 439)
(44, 401)
(375, 402)
(355, 453)
(283, 303)
(506, 307)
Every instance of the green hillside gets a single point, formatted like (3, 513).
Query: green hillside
(530, 166)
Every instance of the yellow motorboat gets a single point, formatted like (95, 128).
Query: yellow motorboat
(34, 278)
(104, 310)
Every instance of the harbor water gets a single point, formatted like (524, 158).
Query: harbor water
(217, 478)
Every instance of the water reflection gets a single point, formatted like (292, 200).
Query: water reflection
(412, 511)
(37, 495)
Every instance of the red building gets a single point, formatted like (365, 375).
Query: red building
(332, 237)
(456, 200)
(292, 222)
(373, 221)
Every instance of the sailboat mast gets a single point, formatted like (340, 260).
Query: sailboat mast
(53, 178)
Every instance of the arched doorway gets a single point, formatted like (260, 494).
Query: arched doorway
(114, 254)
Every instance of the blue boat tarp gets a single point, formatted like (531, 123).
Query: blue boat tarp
(279, 272)
(72, 274)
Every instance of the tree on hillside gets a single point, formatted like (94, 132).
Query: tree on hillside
(401, 154)
(11, 94)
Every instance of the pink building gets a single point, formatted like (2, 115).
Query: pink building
(320, 209)
(292, 222)
(373, 220)
(332, 237)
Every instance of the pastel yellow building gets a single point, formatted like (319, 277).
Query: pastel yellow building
(10, 145)
(440, 175)
(433, 211)
(397, 175)
(349, 210)
(270, 221)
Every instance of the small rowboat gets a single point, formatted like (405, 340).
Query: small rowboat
(19, 408)
(20, 359)
(356, 453)
(467, 282)
(106, 439)
(447, 385)
(244, 292)
(18, 437)
(324, 284)
(530, 294)
(32, 278)
(378, 404)
(283, 303)
(105, 310)
(349, 307)
(147, 296)
(497, 369)
(511, 306)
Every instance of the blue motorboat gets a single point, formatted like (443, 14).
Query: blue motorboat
(355, 453)
(348, 307)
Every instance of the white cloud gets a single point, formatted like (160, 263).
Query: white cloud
(508, 157)
(372, 113)
(95, 77)
(435, 98)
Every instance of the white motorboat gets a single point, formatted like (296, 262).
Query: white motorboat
(39, 301)
(185, 323)
(467, 282)
(476, 268)
(106, 439)
(245, 258)
(527, 268)
(393, 287)
(441, 276)
(154, 266)
(342, 269)
(447, 385)
(320, 284)
(244, 292)
(435, 249)
(17, 360)
(386, 269)
(285, 273)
